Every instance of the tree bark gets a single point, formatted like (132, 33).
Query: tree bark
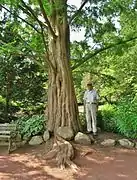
(62, 104)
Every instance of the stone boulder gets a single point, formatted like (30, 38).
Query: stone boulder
(81, 138)
(136, 145)
(36, 140)
(126, 143)
(46, 135)
(66, 133)
(108, 142)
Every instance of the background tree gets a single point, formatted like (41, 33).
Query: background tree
(20, 77)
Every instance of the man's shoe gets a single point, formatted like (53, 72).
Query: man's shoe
(89, 132)
(95, 134)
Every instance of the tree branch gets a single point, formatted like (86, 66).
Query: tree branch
(31, 12)
(46, 19)
(78, 11)
(47, 55)
(43, 56)
(87, 57)
(20, 18)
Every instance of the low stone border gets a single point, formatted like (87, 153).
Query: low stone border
(126, 143)
(80, 138)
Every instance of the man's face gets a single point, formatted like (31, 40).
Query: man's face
(89, 86)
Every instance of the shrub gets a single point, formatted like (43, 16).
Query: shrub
(126, 118)
(108, 117)
(121, 118)
(30, 126)
(100, 120)
(82, 119)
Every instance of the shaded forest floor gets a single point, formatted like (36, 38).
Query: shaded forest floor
(109, 163)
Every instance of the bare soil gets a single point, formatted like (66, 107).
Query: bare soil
(109, 163)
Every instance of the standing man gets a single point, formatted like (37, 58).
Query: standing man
(91, 106)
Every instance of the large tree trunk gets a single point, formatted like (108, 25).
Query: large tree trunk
(62, 104)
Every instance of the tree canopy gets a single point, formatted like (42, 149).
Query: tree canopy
(108, 51)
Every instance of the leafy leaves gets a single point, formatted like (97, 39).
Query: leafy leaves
(31, 126)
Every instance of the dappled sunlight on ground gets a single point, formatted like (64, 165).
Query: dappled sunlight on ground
(104, 164)
(28, 166)
(112, 164)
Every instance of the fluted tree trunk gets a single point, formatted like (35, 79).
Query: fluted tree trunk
(62, 104)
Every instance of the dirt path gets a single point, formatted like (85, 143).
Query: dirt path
(105, 164)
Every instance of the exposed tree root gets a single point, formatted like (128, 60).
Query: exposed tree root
(64, 153)
(83, 150)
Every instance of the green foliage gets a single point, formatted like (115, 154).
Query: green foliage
(121, 118)
(108, 114)
(21, 77)
(48, 7)
(126, 118)
(30, 126)
(82, 118)
(23, 73)
(100, 120)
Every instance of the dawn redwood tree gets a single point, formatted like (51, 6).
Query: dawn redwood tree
(50, 19)
(62, 104)
(54, 30)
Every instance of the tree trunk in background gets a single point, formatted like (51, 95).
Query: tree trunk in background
(62, 104)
